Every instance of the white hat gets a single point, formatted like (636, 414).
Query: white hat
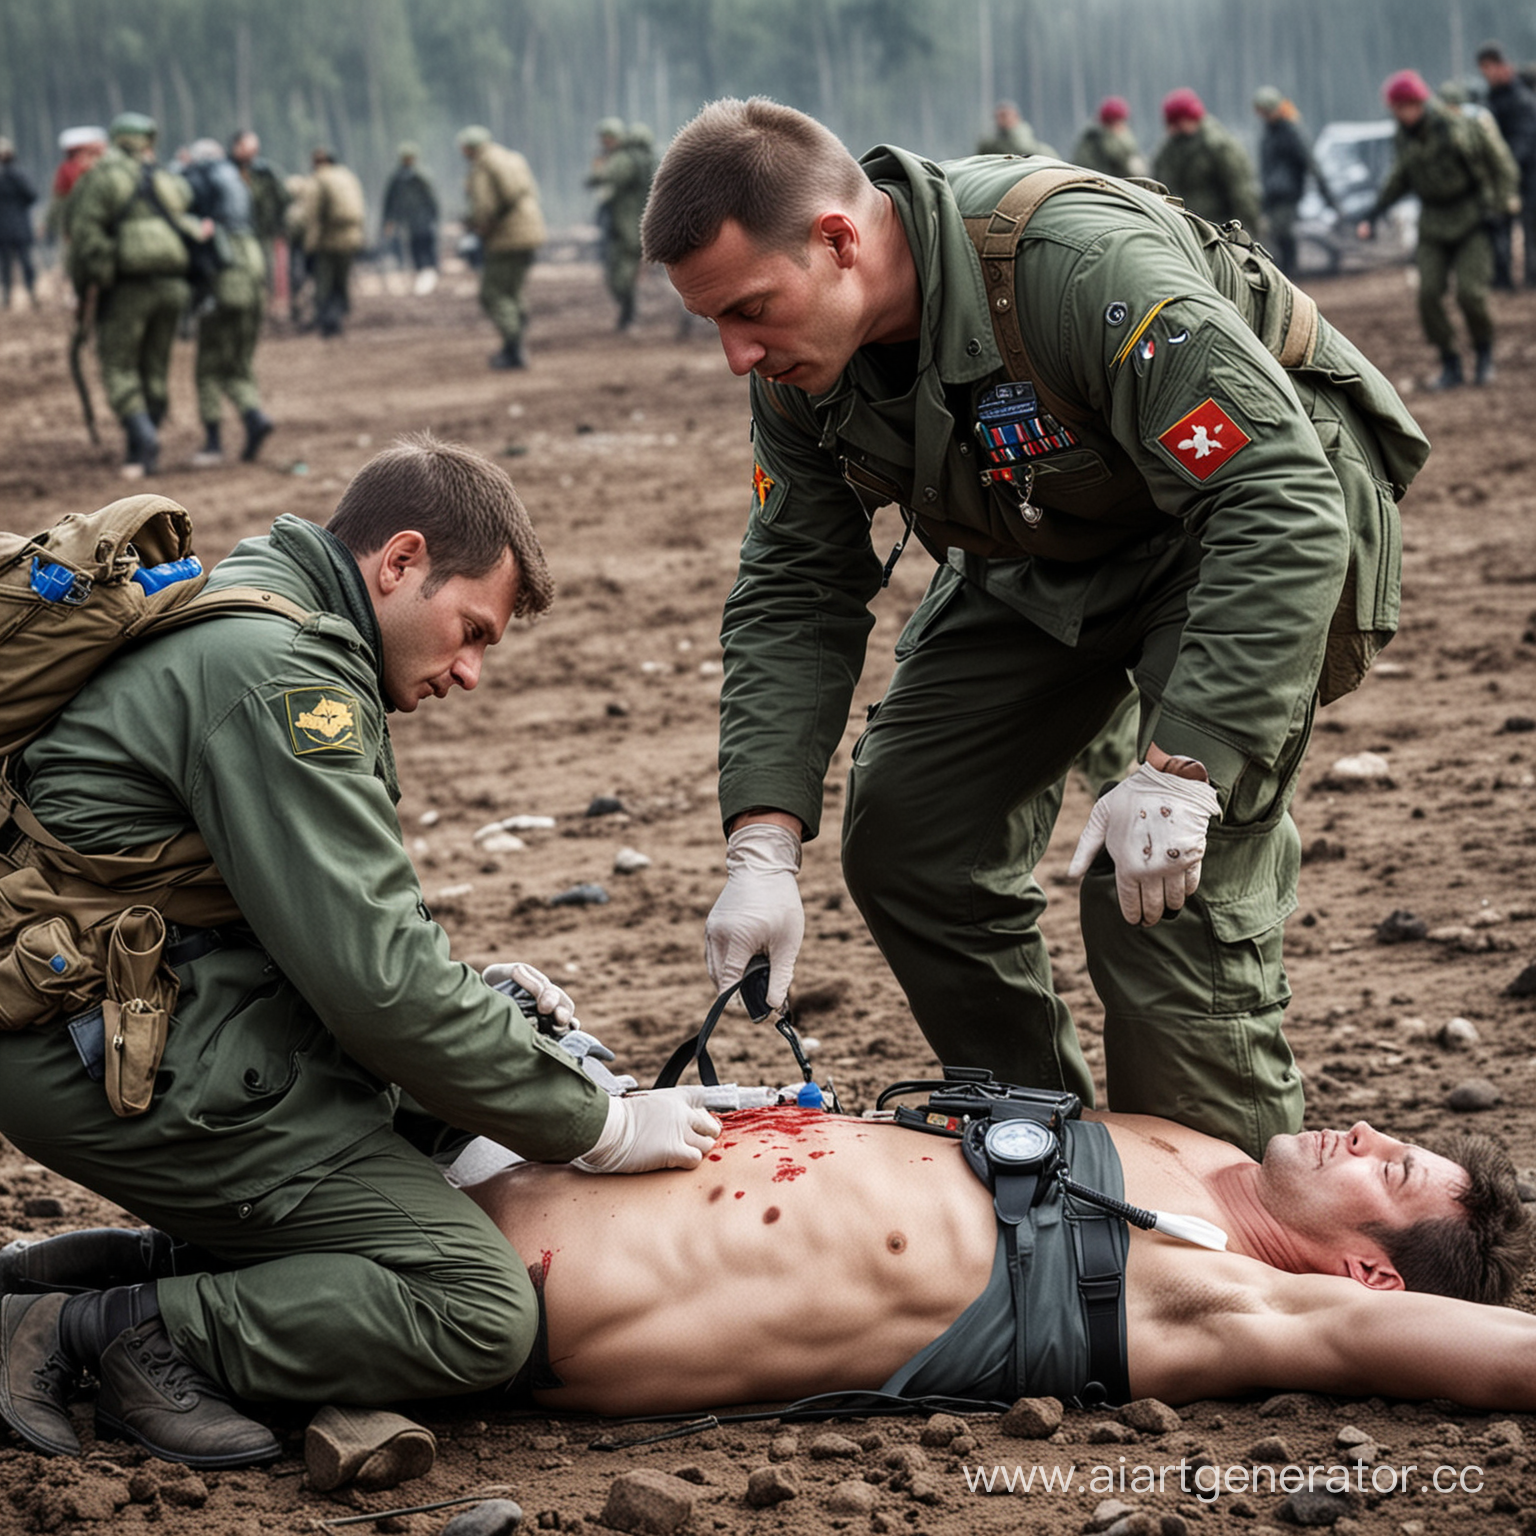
(77, 138)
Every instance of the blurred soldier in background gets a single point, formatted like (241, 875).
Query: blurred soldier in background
(300, 192)
(504, 212)
(81, 148)
(17, 195)
(333, 235)
(1108, 145)
(622, 173)
(269, 202)
(129, 228)
(1513, 105)
(1285, 162)
(1448, 163)
(1011, 135)
(1200, 162)
(228, 327)
(410, 207)
(1458, 99)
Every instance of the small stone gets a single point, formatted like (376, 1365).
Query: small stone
(1150, 1416)
(1472, 1096)
(1517, 725)
(771, 1485)
(502, 842)
(429, 818)
(588, 894)
(605, 805)
(1400, 927)
(1524, 985)
(1110, 1433)
(1285, 1405)
(648, 1503)
(1309, 1507)
(1349, 1436)
(526, 823)
(941, 1429)
(925, 1489)
(1138, 1524)
(783, 1448)
(629, 861)
(1458, 1034)
(852, 1498)
(906, 1460)
(452, 892)
(616, 709)
(42, 1207)
(1106, 1512)
(1032, 1418)
(495, 1517)
(1271, 1450)
(1173, 1525)
(1362, 768)
(833, 1447)
(188, 1492)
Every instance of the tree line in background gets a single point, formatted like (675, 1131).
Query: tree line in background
(361, 75)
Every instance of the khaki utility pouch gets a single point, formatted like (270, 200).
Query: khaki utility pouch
(136, 1014)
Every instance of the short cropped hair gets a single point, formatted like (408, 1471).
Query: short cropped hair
(1478, 1256)
(464, 506)
(768, 167)
(1491, 53)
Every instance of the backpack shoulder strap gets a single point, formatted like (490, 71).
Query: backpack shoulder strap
(209, 605)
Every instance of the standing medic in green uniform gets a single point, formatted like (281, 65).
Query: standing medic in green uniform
(229, 325)
(245, 762)
(1107, 144)
(504, 212)
(1456, 174)
(1136, 483)
(128, 232)
(1200, 162)
(622, 174)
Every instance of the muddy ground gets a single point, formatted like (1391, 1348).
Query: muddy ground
(632, 453)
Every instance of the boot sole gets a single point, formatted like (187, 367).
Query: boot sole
(114, 1429)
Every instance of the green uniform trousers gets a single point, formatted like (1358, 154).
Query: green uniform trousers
(952, 797)
(135, 330)
(356, 1273)
(501, 291)
(621, 268)
(1470, 261)
(332, 272)
(226, 356)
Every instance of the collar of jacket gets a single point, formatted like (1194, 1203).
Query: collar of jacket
(324, 577)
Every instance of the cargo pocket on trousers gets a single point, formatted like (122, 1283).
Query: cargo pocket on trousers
(1248, 889)
(254, 1058)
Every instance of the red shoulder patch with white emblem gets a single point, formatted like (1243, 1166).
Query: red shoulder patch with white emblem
(1204, 439)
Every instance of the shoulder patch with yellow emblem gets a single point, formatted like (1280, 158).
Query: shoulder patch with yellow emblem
(323, 720)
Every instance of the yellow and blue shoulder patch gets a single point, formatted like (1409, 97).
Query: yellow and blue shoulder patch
(323, 720)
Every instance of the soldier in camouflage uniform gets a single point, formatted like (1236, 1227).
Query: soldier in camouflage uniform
(131, 255)
(1169, 464)
(333, 235)
(1108, 145)
(622, 176)
(269, 202)
(1200, 162)
(504, 212)
(229, 324)
(1011, 135)
(1451, 167)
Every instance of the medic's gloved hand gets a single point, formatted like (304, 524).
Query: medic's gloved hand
(660, 1128)
(1154, 826)
(553, 1002)
(759, 911)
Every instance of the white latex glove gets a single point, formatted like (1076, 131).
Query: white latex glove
(1154, 826)
(547, 997)
(759, 911)
(659, 1128)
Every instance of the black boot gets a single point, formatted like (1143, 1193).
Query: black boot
(626, 312)
(37, 1377)
(511, 354)
(258, 428)
(1484, 371)
(156, 1397)
(1450, 372)
(212, 451)
(143, 444)
(95, 1259)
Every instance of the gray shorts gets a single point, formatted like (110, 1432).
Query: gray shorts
(974, 1356)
